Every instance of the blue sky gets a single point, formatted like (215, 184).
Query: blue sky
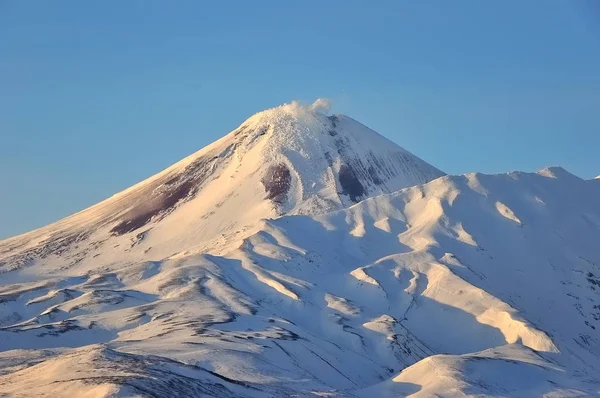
(95, 96)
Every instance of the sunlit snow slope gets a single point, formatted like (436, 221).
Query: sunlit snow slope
(287, 160)
(285, 269)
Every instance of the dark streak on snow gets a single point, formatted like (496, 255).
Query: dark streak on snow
(333, 119)
(57, 246)
(141, 215)
(165, 197)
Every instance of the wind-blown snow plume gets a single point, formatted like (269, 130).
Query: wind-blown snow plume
(321, 105)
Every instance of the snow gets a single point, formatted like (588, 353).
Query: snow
(508, 370)
(220, 192)
(416, 284)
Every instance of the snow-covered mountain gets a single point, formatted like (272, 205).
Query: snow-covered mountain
(287, 160)
(305, 255)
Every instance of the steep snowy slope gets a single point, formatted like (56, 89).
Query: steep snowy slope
(287, 160)
(474, 285)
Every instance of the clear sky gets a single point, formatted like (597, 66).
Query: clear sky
(98, 95)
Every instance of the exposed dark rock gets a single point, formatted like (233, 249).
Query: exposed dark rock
(163, 198)
(139, 237)
(374, 175)
(329, 159)
(333, 119)
(277, 182)
(350, 183)
(141, 215)
(341, 145)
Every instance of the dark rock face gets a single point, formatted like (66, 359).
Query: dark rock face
(350, 183)
(277, 182)
(142, 215)
(334, 120)
(161, 200)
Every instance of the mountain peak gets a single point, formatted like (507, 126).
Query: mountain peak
(291, 159)
(326, 159)
(556, 172)
(292, 111)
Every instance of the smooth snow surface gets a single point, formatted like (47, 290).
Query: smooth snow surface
(305, 255)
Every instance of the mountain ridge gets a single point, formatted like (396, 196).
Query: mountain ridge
(477, 284)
